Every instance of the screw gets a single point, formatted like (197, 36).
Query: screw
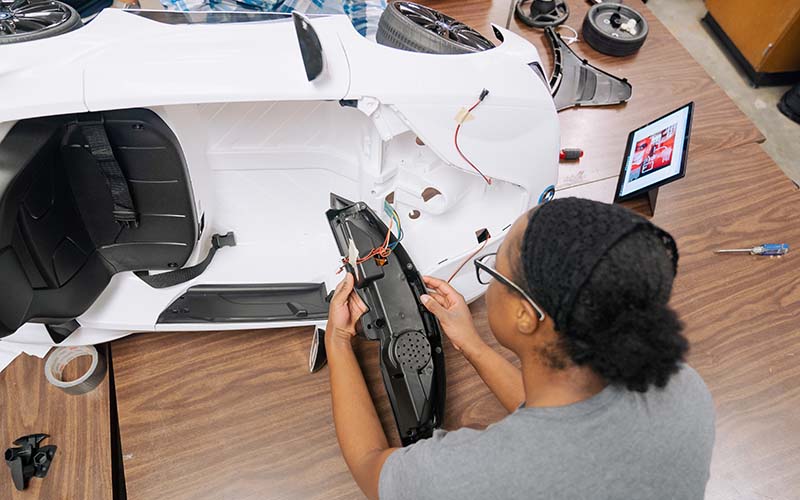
(409, 266)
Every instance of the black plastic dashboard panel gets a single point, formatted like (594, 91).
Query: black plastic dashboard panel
(411, 356)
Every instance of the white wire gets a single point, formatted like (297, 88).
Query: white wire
(569, 40)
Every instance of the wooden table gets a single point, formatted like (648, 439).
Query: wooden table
(236, 415)
(242, 418)
(78, 425)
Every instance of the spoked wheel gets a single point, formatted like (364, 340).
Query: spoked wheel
(26, 20)
(414, 27)
(614, 29)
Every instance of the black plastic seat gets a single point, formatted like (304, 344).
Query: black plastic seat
(59, 243)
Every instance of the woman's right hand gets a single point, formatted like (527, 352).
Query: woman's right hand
(453, 314)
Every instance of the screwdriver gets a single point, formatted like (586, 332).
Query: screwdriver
(769, 249)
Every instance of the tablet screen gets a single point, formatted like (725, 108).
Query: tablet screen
(656, 153)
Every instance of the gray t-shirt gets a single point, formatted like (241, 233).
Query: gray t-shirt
(618, 444)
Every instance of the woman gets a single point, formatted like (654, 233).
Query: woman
(602, 407)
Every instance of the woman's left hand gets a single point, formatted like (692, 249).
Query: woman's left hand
(345, 310)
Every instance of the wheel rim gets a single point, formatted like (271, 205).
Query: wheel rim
(21, 17)
(444, 26)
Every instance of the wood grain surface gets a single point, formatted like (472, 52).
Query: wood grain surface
(742, 314)
(221, 415)
(78, 425)
(236, 415)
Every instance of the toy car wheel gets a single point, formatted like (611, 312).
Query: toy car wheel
(26, 20)
(614, 29)
(416, 28)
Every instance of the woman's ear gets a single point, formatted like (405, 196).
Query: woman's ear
(527, 318)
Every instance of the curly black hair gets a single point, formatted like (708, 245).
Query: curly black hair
(605, 274)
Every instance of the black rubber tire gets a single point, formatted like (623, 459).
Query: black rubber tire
(396, 30)
(602, 42)
(72, 22)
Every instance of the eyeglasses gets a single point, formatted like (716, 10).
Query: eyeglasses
(485, 269)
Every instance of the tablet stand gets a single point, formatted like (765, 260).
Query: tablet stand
(644, 204)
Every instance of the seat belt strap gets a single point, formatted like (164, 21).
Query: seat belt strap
(100, 147)
(178, 276)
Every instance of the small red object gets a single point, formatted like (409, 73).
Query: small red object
(570, 154)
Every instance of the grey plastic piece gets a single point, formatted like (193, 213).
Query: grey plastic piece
(575, 82)
(248, 303)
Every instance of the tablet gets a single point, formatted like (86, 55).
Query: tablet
(655, 154)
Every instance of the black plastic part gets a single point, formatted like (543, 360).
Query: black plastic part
(310, 46)
(412, 360)
(248, 303)
(541, 13)
(60, 331)
(151, 158)
(757, 78)
(59, 243)
(29, 460)
(789, 104)
(317, 357)
(575, 82)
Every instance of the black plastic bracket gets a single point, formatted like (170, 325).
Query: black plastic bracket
(59, 332)
(29, 460)
(310, 46)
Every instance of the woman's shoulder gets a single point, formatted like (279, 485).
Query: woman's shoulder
(686, 394)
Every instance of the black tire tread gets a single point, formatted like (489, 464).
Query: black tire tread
(74, 22)
(604, 44)
(395, 30)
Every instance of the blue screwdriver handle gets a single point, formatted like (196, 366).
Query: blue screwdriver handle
(770, 249)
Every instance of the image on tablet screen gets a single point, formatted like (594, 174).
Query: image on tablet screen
(653, 153)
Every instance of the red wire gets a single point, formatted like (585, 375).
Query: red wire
(455, 141)
(382, 250)
(472, 256)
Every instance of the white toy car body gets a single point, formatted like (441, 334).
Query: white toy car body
(263, 148)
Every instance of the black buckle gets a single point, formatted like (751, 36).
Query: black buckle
(224, 240)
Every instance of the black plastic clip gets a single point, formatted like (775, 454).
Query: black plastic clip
(29, 459)
(126, 218)
(224, 240)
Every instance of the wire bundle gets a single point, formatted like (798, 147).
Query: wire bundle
(387, 246)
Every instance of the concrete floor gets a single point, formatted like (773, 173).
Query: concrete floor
(682, 18)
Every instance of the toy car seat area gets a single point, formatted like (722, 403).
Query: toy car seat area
(59, 241)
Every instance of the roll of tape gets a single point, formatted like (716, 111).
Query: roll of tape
(61, 356)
